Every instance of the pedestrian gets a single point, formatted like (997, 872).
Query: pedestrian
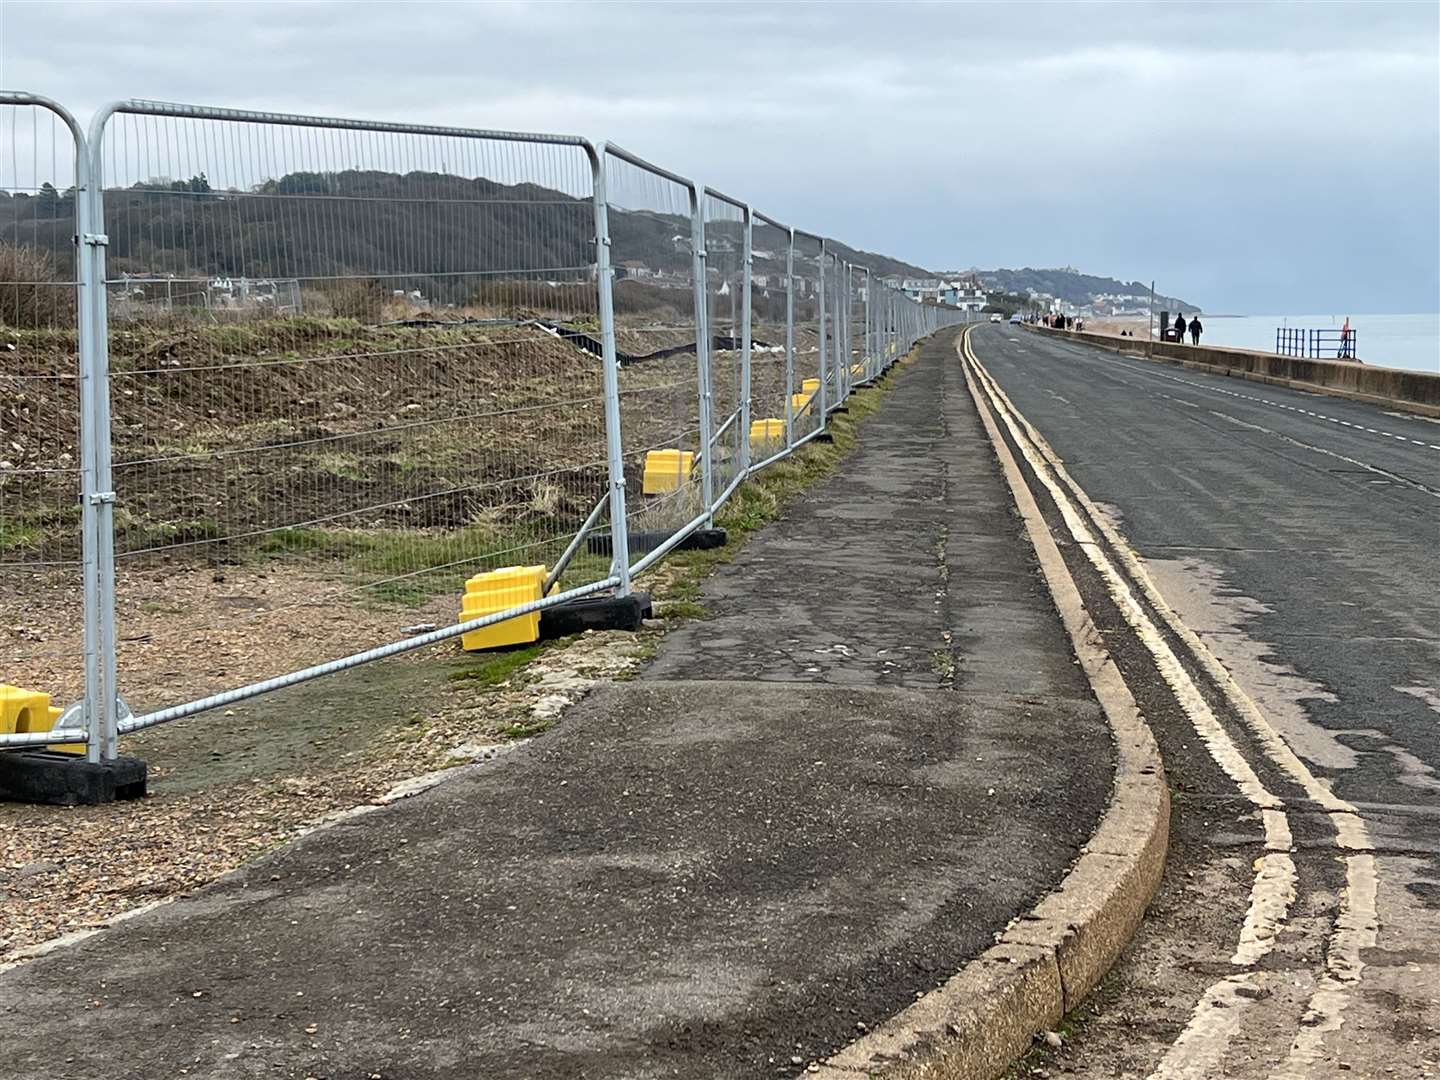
(1195, 329)
(1180, 327)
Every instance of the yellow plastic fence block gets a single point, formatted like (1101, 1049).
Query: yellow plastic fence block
(667, 470)
(811, 387)
(857, 369)
(23, 711)
(766, 433)
(500, 590)
(800, 404)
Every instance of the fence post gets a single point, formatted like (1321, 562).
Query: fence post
(790, 339)
(841, 369)
(745, 343)
(842, 332)
(702, 345)
(847, 313)
(820, 322)
(837, 330)
(101, 496)
(614, 441)
(86, 234)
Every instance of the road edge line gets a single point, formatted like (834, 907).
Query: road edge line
(1047, 961)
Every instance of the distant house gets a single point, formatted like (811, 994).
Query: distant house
(965, 292)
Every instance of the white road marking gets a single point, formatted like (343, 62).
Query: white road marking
(1290, 408)
(1208, 1035)
(1389, 476)
(1203, 1044)
(1357, 928)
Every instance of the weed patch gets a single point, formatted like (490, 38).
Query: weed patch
(496, 669)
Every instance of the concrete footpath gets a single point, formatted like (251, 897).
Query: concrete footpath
(813, 806)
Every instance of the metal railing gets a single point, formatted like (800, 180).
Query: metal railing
(1315, 344)
(354, 363)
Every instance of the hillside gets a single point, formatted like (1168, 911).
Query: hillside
(1074, 287)
(429, 231)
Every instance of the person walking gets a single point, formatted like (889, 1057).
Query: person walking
(1195, 329)
(1180, 327)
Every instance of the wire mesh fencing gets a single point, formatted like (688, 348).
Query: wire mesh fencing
(47, 422)
(727, 299)
(772, 344)
(656, 240)
(337, 369)
(807, 417)
(374, 383)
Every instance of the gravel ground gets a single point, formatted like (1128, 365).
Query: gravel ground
(230, 786)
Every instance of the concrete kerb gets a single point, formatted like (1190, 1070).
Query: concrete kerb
(1138, 350)
(1046, 962)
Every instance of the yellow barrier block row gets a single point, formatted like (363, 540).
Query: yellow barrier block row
(24, 711)
(767, 432)
(811, 387)
(857, 369)
(667, 470)
(500, 590)
(800, 404)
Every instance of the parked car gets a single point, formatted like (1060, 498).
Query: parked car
(995, 316)
(1016, 320)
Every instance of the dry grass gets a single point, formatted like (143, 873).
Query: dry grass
(34, 295)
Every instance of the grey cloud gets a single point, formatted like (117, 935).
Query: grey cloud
(1251, 156)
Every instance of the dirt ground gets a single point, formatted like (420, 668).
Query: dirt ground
(231, 784)
(212, 595)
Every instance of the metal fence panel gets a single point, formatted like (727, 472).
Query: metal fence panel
(351, 365)
(772, 346)
(655, 222)
(860, 324)
(806, 413)
(301, 377)
(727, 251)
(48, 584)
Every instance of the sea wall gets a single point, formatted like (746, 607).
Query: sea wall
(1414, 391)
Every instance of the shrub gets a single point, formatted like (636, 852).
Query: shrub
(355, 298)
(34, 295)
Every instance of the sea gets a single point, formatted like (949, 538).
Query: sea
(1400, 341)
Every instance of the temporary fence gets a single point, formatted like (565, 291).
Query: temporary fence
(373, 359)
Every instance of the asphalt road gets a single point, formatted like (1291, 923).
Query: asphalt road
(1298, 537)
(1314, 520)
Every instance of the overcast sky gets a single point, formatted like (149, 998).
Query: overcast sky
(1252, 158)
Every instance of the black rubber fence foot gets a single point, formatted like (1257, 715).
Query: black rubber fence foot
(595, 613)
(46, 776)
(646, 540)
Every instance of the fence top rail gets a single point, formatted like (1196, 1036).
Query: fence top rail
(40, 101)
(610, 149)
(142, 107)
(719, 196)
(768, 220)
